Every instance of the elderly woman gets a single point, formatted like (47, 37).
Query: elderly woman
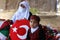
(22, 12)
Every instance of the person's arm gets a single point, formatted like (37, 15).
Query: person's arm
(9, 21)
(6, 24)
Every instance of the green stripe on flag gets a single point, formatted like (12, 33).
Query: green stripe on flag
(5, 32)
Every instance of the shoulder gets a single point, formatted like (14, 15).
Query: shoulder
(42, 26)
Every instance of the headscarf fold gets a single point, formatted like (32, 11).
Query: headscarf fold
(22, 13)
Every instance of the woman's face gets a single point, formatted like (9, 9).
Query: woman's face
(33, 23)
(22, 6)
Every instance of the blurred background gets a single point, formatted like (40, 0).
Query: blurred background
(48, 10)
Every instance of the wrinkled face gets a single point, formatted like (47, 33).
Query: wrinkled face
(33, 23)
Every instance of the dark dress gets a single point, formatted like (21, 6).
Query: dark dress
(37, 35)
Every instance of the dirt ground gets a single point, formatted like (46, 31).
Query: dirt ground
(53, 21)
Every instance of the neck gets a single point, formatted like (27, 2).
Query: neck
(34, 27)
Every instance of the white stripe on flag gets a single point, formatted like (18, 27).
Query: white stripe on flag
(2, 37)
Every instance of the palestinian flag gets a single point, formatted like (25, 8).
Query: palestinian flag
(4, 30)
(19, 30)
(4, 34)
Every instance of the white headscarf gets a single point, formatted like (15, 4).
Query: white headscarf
(22, 13)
